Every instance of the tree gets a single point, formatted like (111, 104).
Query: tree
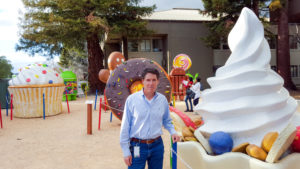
(76, 61)
(49, 26)
(283, 48)
(5, 68)
(227, 12)
(126, 23)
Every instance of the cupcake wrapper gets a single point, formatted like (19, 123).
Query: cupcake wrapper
(28, 101)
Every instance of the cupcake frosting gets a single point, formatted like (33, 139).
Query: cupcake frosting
(247, 98)
(36, 74)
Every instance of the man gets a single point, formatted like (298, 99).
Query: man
(144, 114)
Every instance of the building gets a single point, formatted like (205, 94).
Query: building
(180, 30)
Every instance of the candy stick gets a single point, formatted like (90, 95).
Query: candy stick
(110, 116)
(44, 114)
(85, 92)
(174, 156)
(96, 100)
(11, 106)
(105, 105)
(104, 102)
(6, 104)
(67, 103)
(173, 101)
(1, 117)
(171, 153)
(99, 114)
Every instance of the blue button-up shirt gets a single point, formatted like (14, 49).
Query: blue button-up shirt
(143, 119)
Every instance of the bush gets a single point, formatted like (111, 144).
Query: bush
(5, 68)
(83, 87)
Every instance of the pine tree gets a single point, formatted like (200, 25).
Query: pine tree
(48, 26)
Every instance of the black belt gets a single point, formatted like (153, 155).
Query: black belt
(147, 141)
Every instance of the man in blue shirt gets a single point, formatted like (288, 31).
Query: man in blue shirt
(144, 114)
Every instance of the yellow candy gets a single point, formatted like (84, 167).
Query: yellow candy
(268, 141)
(37, 76)
(240, 148)
(256, 152)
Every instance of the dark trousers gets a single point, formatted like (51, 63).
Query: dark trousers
(152, 153)
(187, 98)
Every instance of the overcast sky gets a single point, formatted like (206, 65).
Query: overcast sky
(10, 11)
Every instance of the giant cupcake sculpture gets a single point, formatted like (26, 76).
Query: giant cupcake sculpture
(248, 104)
(28, 88)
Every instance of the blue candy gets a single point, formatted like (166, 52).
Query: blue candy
(220, 142)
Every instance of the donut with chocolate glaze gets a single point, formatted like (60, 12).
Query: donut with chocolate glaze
(119, 83)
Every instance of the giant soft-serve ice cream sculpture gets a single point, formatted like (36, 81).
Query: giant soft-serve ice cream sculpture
(246, 99)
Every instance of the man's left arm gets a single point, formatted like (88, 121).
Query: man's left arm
(167, 122)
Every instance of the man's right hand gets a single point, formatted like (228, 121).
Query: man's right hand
(128, 160)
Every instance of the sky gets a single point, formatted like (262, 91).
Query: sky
(11, 10)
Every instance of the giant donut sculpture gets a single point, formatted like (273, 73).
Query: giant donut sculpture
(118, 85)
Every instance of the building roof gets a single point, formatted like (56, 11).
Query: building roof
(179, 14)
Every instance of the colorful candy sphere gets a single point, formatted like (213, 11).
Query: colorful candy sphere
(220, 142)
(296, 142)
(182, 61)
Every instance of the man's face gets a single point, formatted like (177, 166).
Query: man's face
(150, 83)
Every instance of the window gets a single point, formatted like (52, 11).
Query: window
(133, 46)
(145, 46)
(272, 42)
(157, 45)
(293, 42)
(223, 44)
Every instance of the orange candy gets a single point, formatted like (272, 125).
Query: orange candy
(256, 152)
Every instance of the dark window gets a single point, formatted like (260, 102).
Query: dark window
(272, 42)
(133, 46)
(157, 45)
(274, 68)
(293, 42)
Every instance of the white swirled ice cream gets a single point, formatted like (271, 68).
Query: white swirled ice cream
(36, 74)
(28, 88)
(247, 98)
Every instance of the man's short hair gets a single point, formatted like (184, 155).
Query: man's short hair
(150, 70)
